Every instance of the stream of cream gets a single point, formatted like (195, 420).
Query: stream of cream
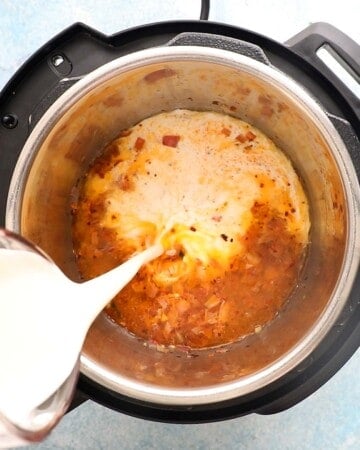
(44, 318)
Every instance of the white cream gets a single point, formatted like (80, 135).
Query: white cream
(44, 318)
(208, 182)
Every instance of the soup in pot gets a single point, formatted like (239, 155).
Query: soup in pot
(229, 210)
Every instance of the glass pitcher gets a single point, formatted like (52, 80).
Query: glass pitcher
(43, 418)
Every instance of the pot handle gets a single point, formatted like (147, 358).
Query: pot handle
(350, 139)
(331, 51)
(220, 42)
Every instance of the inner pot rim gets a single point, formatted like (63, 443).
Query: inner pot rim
(310, 108)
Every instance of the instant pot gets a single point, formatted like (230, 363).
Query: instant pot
(73, 95)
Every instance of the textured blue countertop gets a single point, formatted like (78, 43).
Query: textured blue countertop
(330, 418)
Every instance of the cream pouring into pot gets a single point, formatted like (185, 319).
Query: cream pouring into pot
(39, 354)
(117, 96)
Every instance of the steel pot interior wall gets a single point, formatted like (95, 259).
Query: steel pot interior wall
(90, 115)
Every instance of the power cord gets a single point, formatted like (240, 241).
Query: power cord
(205, 9)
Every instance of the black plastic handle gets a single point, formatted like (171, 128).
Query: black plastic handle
(220, 42)
(350, 140)
(309, 41)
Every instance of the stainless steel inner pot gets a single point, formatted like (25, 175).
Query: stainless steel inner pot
(118, 95)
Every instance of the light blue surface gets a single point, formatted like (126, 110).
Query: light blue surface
(330, 418)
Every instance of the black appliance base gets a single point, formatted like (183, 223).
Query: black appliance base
(79, 50)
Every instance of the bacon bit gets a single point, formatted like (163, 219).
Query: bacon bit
(250, 136)
(152, 77)
(170, 140)
(216, 218)
(139, 143)
(226, 131)
(241, 138)
(192, 228)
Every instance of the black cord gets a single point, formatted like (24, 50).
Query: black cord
(205, 9)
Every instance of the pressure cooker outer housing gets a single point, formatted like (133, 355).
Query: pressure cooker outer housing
(123, 92)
